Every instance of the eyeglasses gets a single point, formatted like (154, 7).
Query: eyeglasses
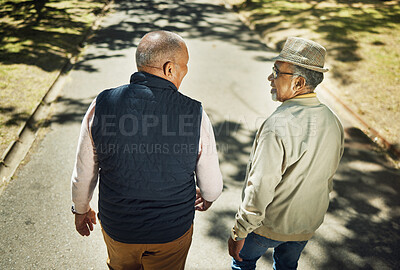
(276, 72)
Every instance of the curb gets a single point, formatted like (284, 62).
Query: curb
(370, 132)
(30, 128)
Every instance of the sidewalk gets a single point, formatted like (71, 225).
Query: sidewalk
(228, 68)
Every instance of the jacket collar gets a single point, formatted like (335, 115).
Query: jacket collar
(306, 95)
(305, 101)
(151, 80)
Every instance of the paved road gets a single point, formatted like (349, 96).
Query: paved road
(227, 71)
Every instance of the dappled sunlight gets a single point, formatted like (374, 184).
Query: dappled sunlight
(194, 20)
(32, 35)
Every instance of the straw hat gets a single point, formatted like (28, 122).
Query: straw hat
(304, 53)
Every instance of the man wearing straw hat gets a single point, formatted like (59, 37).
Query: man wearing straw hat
(295, 155)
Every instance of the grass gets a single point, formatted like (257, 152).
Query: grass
(36, 40)
(362, 39)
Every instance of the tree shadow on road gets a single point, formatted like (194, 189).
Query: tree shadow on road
(69, 111)
(193, 20)
(233, 151)
(367, 203)
(362, 226)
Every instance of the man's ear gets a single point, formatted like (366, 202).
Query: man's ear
(300, 83)
(169, 69)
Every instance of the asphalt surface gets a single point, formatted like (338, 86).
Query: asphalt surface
(228, 71)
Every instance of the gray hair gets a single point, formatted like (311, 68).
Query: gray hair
(313, 78)
(158, 47)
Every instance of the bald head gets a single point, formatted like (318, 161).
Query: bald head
(157, 48)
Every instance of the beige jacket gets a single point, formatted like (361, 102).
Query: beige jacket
(289, 176)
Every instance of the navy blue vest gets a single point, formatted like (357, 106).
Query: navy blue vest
(146, 136)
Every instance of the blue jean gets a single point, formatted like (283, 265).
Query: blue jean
(286, 254)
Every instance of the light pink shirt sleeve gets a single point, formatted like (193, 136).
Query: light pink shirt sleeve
(208, 174)
(85, 174)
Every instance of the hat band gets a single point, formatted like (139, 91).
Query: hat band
(300, 59)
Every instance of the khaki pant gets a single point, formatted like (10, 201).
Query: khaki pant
(168, 256)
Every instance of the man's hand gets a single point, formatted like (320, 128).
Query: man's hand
(201, 204)
(235, 247)
(84, 222)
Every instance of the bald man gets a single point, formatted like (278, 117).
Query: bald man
(144, 142)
